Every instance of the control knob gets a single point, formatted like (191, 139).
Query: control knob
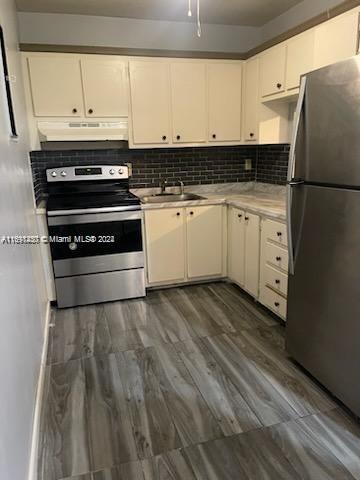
(53, 174)
(63, 173)
(121, 171)
(112, 171)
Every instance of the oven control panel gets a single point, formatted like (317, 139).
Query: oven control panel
(91, 172)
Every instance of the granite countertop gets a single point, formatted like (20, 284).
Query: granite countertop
(261, 199)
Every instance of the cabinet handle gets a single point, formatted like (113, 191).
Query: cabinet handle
(247, 218)
(277, 304)
(178, 214)
(279, 85)
(164, 137)
(239, 215)
(191, 213)
(279, 234)
(252, 135)
(277, 282)
(214, 135)
(178, 137)
(278, 259)
(74, 110)
(91, 111)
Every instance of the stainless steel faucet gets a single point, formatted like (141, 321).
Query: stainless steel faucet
(163, 184)
(182, 187)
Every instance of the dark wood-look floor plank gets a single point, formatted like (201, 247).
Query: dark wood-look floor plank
(250, 313)
(169, 466)
(86, 476)
(194, 313)
(152, 423)
(339, 433)
(273, 337)
(110, 431)
(78, 332)
(66, 447)
(264, 400)
(193, 419)
(307, 455)
(304, 396)
(224, 400)
(126, 471)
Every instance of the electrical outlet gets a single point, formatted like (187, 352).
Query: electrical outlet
(248, 164)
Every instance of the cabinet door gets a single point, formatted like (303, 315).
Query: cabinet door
(252, 253)
(272, 71)
(105, 91)
(224, 102)
(237, 245)
(56, 86)
(150, 102)
(165, 239)
(300, 58)
(204, 241)
(188, 93)
(251, 100)
(336, 40)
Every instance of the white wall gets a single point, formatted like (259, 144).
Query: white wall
(61, 29)
(295, 16)
(22, 292)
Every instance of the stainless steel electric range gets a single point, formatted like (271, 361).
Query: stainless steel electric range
(95, 230)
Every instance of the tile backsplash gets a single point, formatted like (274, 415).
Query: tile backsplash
(194, 166)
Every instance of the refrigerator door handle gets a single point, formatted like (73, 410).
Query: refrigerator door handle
(298, 111)
(292, 182)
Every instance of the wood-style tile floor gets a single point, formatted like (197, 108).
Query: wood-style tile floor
(190, 383)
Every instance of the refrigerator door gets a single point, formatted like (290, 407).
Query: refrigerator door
(327, 149)
(323, 321)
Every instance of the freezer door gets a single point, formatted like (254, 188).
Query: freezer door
(323, 321)
(327, 149)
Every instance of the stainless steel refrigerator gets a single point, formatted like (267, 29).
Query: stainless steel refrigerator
(323, 320)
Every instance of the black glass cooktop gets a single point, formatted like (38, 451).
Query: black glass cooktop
(91, 200)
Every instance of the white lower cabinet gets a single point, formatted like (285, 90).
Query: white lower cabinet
(184, 244)
(204, 241)
(244, 249)
(274, 267)
(165, 245)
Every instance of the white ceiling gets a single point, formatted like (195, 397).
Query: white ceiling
(226, 12)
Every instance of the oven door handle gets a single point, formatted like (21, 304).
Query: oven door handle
(95, 218)
(80, 211)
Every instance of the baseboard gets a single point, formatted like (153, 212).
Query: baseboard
(38, 401)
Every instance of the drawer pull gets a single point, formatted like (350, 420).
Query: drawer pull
(239, 215)
(279, 234)
(191, 213)
(247, 218)
(178, 214)
(277, 304)
(278, 259)
(277, 282)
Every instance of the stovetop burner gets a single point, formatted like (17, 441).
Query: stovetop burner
(91, 200)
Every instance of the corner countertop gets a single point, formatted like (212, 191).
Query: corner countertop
(261, 199)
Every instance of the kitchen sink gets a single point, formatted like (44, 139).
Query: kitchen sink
(171, 197)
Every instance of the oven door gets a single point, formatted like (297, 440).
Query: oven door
(97, 242)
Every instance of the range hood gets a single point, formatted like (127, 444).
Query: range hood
(83, 131)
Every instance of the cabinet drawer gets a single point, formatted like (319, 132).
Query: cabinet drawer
(274, 301)
(276, 232)
(277, 256)
(276, 279)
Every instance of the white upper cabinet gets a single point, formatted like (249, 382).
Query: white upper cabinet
(188, 95)
(55, 84)
(300, 58)
(150, 102)
(336, 39)
(224, 102)
(272, 71)
(251, 100)
(105, 89)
